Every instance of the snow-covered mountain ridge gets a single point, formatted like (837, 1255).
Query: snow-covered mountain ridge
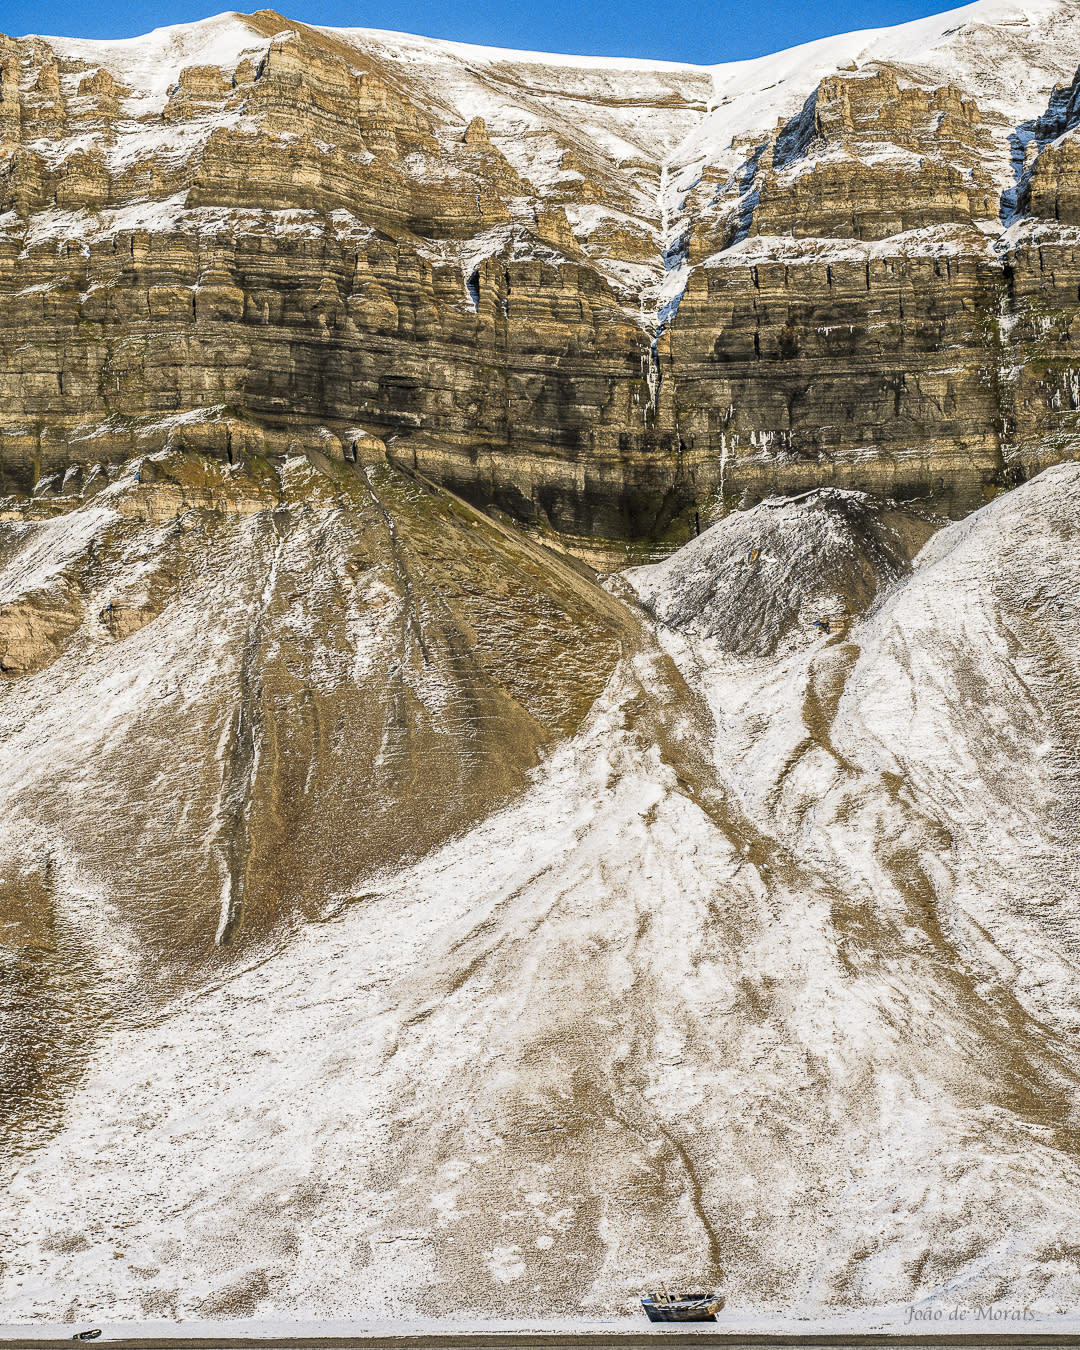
(630, 119)
(1009, 57)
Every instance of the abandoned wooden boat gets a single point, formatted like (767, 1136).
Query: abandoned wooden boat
(682, 1307)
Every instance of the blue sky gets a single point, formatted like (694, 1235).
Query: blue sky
(679, 30)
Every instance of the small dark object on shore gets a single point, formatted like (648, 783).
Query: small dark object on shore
(682, 1307)
(91, 1335)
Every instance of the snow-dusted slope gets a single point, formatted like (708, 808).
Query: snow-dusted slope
(758, 585)
(774, 966)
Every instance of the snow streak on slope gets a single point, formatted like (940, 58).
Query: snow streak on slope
(773, 966)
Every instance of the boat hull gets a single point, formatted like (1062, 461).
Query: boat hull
(682, 1310)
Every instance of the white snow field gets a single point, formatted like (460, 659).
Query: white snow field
(773, 966)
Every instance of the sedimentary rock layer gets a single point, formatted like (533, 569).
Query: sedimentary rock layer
(614, 298)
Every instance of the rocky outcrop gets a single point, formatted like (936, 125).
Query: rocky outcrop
(35, 626)
(123, 620)
(868, 158)
(832, 367)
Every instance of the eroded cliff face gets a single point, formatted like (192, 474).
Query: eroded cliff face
(612, 298)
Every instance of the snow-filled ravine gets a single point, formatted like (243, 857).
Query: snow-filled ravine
(771, 968)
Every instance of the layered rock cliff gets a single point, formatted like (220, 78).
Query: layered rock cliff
(615, 298)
